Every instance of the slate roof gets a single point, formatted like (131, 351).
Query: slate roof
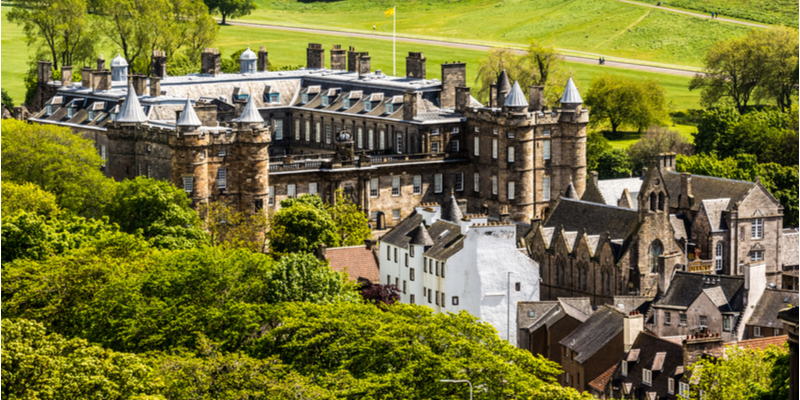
(503, 84)
(717, 296)
(549, 312)
(681, 225)
(705, 188)
(570, 193)
(790, 247)
(248, 55)
(771, 302)
(686, 286)
(594, 333)
(661, 356)
(188, 116)
(118, 61)
(447, 237)
(451, 212)
(571, 95)
(760, 343)
(420, 237)
(250, 113)
(516, 98)
(358, 261)
(713, 209)
(597, 219)
(131, 111)
(611, 190)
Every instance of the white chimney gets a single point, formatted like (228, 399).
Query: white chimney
(633, 325)
(755, 281)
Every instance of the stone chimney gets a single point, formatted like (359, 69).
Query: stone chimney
(263, 59)
(409, 105)
(696, 347)
(44, 71)
(86, 77)
(101, 63)
(364, 64)
(453, 75)
(101, 80)
(368, 243)
(493, 95)
(338, 58)
(633, 324)
(666, 162)
(686, 199)
(210, 62)
(66, 76)
(755, 281)
(315, 56)
(159, 64)
(352, 60)
(594, 176)
(322, 250)
(537, 98)
(462, 99)
(139, 83)
(155, 86)
(415, 65)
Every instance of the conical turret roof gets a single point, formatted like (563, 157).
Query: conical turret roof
(451, 212)
(131, 111)
(571, 95)
(188, 116)
(571, 193)
(420, 236)
(503, 84)
(516, 98)
(250, 113)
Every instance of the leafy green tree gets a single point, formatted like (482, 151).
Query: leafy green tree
(781, 77)
(233, 229)
(352, 224)
(301, 277)
(8, 102)
(160, 211)
(36, 365)
(301, 225)
(230, 64)
(58, 161)
(231, 8)
(743, 374)
(623, 102)
(657, 140)
(596, 146)
(540, 64)
(614, 164)
(27, 197)
(714, 123)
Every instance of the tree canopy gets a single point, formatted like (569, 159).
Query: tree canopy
(657, 140)
(27, 197)
(301, 225)
(352, 224)
(540, 65)
(624, 102)
(231, 8)
(744, 374)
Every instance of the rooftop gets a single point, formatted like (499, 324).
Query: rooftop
(358, 261)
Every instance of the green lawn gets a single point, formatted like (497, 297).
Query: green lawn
(776, 12)
(288, 48)
(605, 27)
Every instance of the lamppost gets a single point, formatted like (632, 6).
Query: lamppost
(686, 254)
(459, 381)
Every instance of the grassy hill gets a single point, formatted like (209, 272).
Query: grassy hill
(606, 27)
(775, 12)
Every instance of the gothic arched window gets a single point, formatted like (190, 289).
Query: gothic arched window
(652, 201)
(661, 199)
(656, 249)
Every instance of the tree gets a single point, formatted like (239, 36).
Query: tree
(301, 225)
(538, 65)
(733, 69)
(160, 211)
(231, 8)
(27, 197)
(743, 374)
(714, 122)
(352, 224)
(233, 229)
(63, 26)
(230, 65)
(781, 77)
(619, 101)
(596, 146)
(37, 365)
(57, 160)
(614, 164)
(657, 140)
(301, 277)
(8, 102)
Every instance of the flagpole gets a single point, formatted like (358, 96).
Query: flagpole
(394, 41)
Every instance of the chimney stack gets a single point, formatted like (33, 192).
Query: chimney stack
(101, 80)
(594, 175)
(453, 75)
(409, 105)
(338, 58)
(315, 56)
(159, 64)
(537, 98)
(210, 62)
(139, 83)
(263, 59)
(368, 243)
(155, 86)
(463, 98)
(364, 64)
(415, 65)
(44, 71)
(666, 161)
(86, 77)
(101, 63)
(696, 347)
(66, 76)
(493, 95)
(352, 60)
(633, 324)
(686, 199)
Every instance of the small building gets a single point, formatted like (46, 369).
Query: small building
(359, 262)
(764, 321)
(452, 262)
(542, 324)
(648, 371)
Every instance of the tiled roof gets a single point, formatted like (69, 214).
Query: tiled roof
(680, 224)
(602, 380)
(760, 343)
(594, 333)
(772, 301)
(447, 237)
(357, 260)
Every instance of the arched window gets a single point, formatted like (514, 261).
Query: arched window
(661, 199)
(652, 201)
(656, 249)
(718, 256)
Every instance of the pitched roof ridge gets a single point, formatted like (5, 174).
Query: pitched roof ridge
(712, 177)
(598, 204)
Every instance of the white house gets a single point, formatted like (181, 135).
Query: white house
(449, 262)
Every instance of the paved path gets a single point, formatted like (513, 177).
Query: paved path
(694, 14)
(469, 46)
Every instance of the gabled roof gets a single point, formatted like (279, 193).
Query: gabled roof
(597, 219)
(661, 357)
(612, 190)
(550, 312)
(188, 116)
(717, 296)
(681, 225)
(602, 380)
(771, 302)
(686, 286)
(571, 95)
(250, 113)
(760, 343)
(447, 237)
(597, 331)
(713, 211)
(131, 111)
(706, 188)
(358, 260)
(516, 98)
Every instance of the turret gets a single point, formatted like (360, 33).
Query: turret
(119, 69)
(131, 111)
(247, 61)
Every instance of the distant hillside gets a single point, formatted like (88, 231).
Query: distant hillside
(775, 12)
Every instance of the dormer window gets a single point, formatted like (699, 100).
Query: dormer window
(434, 131)
(113, 116)
(304, 98)
(274, 98)
(49, 109)
(346, 103)
(325, 101)
(70, 112)
(90, 116)
(244, 97)
(367, 106)
(389, 108)
(454, 131)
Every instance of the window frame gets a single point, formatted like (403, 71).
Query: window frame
(624, 368)
(313, 189)
(395, 186)
(374, 187)
(278, 129)
(455, 146)
(647, 377)
(757, 332)
(222, 178)
(477, 146)
(546, 150)
(459, 181)
(435, 148)
(670, 386)
(188, 183)
(546, 188)
(476, 182)
(291, 191)
(495, 149)
(510, 190)
(417, 182)
(511, 154)
(454, 300)
(437, 183)
(757, 229)
(494, 185)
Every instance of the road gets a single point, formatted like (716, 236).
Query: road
(694, 14)
(469, 46)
